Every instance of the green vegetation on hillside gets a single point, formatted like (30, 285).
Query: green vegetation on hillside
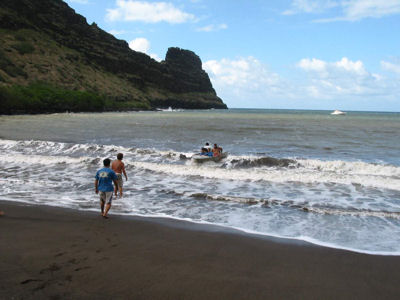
(24, 48)
(9, 67)
(37, 98)
(41, 97)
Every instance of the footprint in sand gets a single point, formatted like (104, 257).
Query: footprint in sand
(53, 267)
(73, 261)
(82, 268)
(40, 287)
(30, 280)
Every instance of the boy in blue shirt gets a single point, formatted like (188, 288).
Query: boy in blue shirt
(103, 184)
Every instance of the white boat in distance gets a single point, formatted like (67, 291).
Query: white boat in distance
(338, 112)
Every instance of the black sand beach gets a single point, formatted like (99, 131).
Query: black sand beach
(53, 253)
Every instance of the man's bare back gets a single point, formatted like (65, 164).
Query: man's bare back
(118, 166)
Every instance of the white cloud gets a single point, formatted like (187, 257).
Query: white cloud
(310, 6)
(140, 45)
(350, 66)
(148, 12)
(314, 84)
(343, 78)
(392, 67)
(312, 65)
(143, 45)
(350, 10)
(116, 32)
(245, 79)
(243, 73)
(324, 68)
(355, 10)
(155, 56)
(213, 27)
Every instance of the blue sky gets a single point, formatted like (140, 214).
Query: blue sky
(295, 54)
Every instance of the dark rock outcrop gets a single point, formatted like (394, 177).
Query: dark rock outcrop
(88, 51)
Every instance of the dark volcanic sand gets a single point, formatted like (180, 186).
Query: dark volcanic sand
(53, 253)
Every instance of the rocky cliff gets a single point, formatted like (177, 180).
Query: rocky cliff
(46, 45)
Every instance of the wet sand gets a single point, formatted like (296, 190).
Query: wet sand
(53, 253)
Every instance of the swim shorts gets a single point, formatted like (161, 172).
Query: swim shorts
(106, 197)
(119, 180)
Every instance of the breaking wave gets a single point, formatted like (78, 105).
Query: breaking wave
(262, 162)
(348, 204)
(302, 206)
(240, 168)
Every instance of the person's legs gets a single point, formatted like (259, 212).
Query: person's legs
(108, 200)
(102, 200)
(102, 207)
(108, 206)
(120, 184)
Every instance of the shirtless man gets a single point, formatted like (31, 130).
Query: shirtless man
(119, 167)
(216, 150)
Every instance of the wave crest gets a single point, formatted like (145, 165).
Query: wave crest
(302, 206)
(266, 161)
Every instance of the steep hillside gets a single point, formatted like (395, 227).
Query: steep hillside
(52, 60)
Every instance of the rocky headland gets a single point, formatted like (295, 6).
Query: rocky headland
(52, 60)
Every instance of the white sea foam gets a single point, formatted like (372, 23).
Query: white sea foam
(350, 168)
(20, 159)
(339, 204)
(52, 149)
(308, 170)
(301, 175)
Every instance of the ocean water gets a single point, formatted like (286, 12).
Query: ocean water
(307, 175)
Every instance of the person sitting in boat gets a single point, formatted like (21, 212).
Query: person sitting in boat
(206, 150)
(216, 150)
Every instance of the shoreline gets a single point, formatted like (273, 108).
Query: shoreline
(183, 224)
(186, 224)
(158, 109)
(52, 252)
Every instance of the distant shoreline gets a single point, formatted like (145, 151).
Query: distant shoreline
(233, 109)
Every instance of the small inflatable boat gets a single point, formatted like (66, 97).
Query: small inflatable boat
(200, 158)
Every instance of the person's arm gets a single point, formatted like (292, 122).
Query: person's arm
(96, 186)
(123, 171)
